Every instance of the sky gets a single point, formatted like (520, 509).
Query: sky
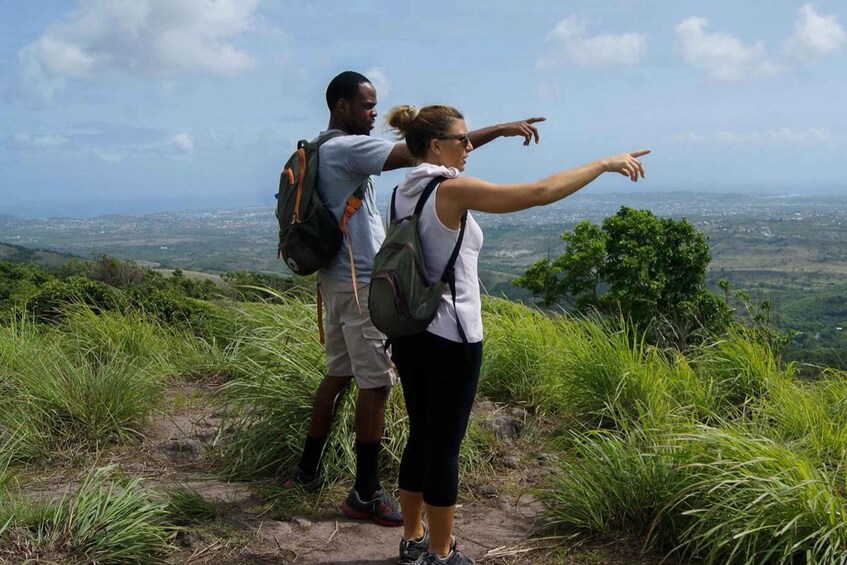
(133, 106)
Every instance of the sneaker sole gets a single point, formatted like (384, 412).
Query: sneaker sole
(357, 515)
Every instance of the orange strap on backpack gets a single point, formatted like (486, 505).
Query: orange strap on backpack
(353, 204)
(321, 337)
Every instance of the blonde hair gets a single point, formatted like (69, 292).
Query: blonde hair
(418, 126)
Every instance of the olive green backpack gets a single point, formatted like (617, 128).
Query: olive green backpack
(402, 300)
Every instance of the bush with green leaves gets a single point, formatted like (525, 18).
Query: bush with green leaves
(49, 303)
(649, 271)
(19, 283)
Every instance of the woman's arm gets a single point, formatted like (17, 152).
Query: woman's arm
(467, 193)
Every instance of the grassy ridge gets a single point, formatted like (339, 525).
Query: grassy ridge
(723, 455)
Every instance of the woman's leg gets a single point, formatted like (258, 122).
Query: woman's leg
(409, 356)
(440, 528)
(412, 506)
(451, 387)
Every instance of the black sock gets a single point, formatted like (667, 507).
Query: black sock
(367, 469)
(311, 459)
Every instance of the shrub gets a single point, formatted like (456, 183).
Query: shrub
(49, 303)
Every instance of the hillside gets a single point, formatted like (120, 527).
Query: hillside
(43, 258)
(144, 422)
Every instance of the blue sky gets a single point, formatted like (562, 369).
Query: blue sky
(147, 105)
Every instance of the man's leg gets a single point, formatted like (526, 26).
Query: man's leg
(332, 388)
(370, 424)
(327, 400)
(364, 352)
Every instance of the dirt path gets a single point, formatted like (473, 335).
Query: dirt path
(173, 453)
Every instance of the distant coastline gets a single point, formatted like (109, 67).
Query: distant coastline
(625, 197)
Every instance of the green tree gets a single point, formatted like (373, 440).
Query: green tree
(649, 270)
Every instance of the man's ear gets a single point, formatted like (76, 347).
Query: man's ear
(341, 105)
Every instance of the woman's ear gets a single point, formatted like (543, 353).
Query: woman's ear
(434, 146)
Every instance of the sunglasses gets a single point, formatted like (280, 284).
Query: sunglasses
(465, 138)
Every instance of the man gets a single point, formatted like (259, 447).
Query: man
(354, 347)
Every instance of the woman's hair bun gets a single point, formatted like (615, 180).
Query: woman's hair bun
(401, 117)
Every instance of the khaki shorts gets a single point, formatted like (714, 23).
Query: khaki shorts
(353, 345)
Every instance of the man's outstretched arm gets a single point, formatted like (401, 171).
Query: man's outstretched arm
(523, 128)
(400, 156)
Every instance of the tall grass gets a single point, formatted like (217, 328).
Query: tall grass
(280, 364)
(740, 370)
(520, 354)
(707, 494)
(808, 417)
(614, 380)
(611, 483)
(105, 520)
(744, 499)
(96, 378)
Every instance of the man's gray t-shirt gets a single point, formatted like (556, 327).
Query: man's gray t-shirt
(345, 162)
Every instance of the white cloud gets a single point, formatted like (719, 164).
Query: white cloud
(815, 36)
(102, 38)
(379, 79)
(182, 141)
(722, 56)
(42, 141)
(573, 45)
(781, 136)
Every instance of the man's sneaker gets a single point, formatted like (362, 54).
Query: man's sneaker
(382, 508)
(456, 557)
(299, 478)
(413, 551)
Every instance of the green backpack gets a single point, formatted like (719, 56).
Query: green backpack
(309, 234)
(402, 300)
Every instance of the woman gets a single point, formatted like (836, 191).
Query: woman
(438, 369)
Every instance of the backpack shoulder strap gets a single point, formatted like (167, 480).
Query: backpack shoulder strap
(327, 135)
(392, 209)
(449, 275)
(455, 255)
(430, 187)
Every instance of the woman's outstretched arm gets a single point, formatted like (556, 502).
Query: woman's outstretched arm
(467, 193)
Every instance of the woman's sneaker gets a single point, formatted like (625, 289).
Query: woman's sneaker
(413, 551)
(382, 508)
(456, 557)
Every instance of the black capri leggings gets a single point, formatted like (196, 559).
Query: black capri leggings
(439, 380)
